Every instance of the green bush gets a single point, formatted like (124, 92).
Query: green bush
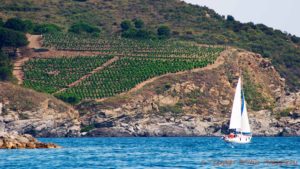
(82, 27)
(164, 31)
(12, 38)
(138, 23)
(18, 24)
(230, 18)
(87, 128)
(126, 25)
(5, 67)
(46, 28)
(69, 99)
(295, 39)
(144, 34)
(130, 33)
(138, 34)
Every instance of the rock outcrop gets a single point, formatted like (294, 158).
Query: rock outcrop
(198, 103)
(16, 141)
(28, 112)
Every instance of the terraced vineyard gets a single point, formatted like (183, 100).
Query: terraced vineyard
(139, 61)
(163, 48)
(51, 74)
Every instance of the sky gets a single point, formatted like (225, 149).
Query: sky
(279, 14)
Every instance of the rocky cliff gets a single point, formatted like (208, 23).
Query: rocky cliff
(26, 111)
(198, 102)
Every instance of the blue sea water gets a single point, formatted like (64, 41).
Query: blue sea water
(175, 152)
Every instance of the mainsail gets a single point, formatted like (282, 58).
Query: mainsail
(235, 120)
(239, 115)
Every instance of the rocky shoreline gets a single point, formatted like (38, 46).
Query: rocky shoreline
(26, 141)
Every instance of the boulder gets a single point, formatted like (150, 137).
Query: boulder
(16, 141)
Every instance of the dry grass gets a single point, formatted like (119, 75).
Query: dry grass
(22, 99)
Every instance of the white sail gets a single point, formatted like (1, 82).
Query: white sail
(245, 121)
(235, 120)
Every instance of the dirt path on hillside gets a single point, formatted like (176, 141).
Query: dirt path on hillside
(109, 62)
(34, 41)
(17, 70)
(220, 61)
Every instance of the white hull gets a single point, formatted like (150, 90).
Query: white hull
(238, 139)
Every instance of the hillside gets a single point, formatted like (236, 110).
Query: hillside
(198, 102)
(189, 22)
(188, 103)
(29, 112)
(127, 79)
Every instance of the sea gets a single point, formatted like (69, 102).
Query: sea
(157, 152)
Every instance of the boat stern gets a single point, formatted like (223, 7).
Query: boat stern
(237, 139)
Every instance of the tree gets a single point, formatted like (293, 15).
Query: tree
(16, 24)
(164, 31)
(130, 33)
(82, 27)
(230, 18)
(145, 34)
(12, 38)
(9, 38)
(295, 39)
(138, 23)
(5, 67)
(46, 28)
(126, 25)
(29, 25)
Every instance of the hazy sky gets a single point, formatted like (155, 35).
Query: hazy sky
(279, 14)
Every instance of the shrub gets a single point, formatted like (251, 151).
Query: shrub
(69, 99)
(164, 31)
(5, 67)
(12, 38)
(230, 18)
(87, 128)
(145, 34)
(138, 34)
(126, 25)
(130, 33)
(138, 23)
(295, 39)
(18, 24)
(29, 25)
(46, 28)
(82, 27)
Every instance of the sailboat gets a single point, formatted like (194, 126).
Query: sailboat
(239, 127)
